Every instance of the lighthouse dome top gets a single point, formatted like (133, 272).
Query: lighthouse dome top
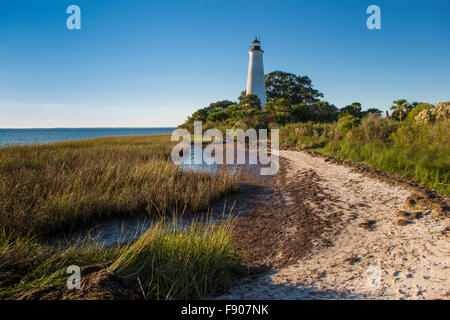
(255, 45)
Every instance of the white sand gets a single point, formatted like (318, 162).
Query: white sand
(396, 262)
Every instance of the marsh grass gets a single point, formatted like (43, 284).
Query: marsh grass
(189, 263)
(60, 186)
(26, 263)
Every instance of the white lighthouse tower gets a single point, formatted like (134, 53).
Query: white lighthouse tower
(255, 81)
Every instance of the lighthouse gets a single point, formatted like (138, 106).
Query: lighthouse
(255, 81)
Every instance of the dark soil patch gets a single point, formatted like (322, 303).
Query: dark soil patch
(277, 227)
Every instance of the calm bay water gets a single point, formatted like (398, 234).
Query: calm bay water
(30, 136)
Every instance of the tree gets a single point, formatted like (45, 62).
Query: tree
(242, 95)
(373, 110)
(400, 109)
(199, 115)
(250, 101)
(354, 109)
(419, 107)
(217, 115)
(295, 89)
(301, 113)
(323, 111)
(282, 109)
(221, 105)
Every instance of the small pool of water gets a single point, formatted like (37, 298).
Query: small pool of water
(190, 165)
(214, 167)
(120, 231)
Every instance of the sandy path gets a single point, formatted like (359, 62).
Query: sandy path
(390, 262)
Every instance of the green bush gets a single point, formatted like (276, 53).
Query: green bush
(346, 123)
(373, 128)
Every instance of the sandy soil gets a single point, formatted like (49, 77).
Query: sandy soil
(365, 254)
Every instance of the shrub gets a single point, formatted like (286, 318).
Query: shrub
(373, 128)
(346, 123)
(439, 113)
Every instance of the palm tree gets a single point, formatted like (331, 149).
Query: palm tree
(400, 109)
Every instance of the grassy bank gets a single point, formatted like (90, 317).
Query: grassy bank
(56, 187)
(420, 151)
(50, 188)
(169, 263)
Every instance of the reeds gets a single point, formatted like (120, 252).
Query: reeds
(188, 263)
(57, 187)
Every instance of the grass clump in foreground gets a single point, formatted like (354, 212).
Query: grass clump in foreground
(192, 263)
(56, 187)
(168, 262)
(27, 264)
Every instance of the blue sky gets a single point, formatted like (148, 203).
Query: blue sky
(152, 63)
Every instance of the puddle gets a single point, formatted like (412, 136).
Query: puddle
(121, 231)
(190, 165)
(214, 167)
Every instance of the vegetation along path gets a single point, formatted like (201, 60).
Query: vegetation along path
(365, 238)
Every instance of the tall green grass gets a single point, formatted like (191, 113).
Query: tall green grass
(420, 151)
(182, 264)
(425, 165)
(57, 187)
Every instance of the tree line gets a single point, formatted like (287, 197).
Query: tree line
(290, 99)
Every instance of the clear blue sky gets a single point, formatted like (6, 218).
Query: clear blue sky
(152, 63)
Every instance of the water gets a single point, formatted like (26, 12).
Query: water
(32, 136)
(189, 164)
(120, 231)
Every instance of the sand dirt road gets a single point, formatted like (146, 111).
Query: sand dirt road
(391, 261)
